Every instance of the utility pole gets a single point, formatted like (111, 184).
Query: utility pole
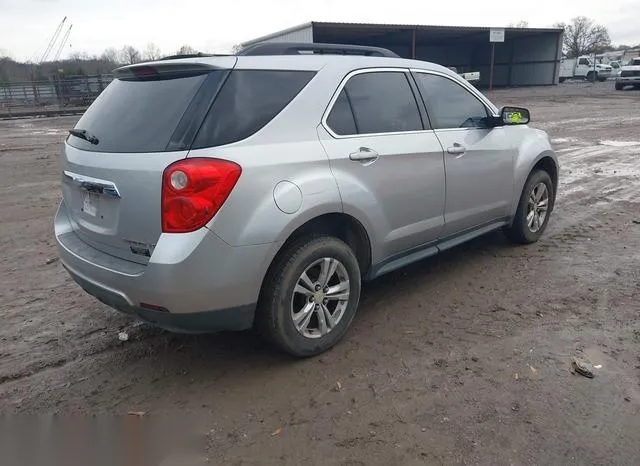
(495, 35)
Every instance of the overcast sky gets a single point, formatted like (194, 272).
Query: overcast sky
(26, 26)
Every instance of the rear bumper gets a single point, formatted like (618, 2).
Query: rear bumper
(238, 318)
(198, 281)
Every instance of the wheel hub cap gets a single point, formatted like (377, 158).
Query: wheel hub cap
(320, 297)
(537, 207)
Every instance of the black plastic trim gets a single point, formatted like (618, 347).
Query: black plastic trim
(432, 248)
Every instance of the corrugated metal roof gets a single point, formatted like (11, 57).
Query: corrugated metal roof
(427, 26)
(276, 34)
(381, 28)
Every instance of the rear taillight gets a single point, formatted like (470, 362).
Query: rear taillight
(193, 190)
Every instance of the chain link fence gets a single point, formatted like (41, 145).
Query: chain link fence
(55, 96)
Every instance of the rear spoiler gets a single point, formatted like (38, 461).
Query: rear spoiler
(167, 68)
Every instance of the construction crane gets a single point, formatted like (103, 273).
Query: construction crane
(65, 38)
(52, 41)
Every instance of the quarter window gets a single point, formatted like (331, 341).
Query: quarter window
(341, 119)
(450, 105)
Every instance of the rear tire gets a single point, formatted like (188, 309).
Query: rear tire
(619, 87)
(562, 80)
(296, 293)
(529, 223)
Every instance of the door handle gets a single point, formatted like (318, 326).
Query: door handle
(456, 149)
(364, 154)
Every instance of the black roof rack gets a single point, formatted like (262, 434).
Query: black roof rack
(293, 48)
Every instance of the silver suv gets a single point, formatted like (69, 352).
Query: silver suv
(218, 193)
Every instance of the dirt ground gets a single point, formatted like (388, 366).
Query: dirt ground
(460, 359)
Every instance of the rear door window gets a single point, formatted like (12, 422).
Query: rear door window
(248, 101)
(382, 102)
(141, 115)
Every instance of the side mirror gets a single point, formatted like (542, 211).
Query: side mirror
(515, 116)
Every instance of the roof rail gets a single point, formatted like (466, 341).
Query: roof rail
(294, 48)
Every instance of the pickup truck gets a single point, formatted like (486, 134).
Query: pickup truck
(471, 76)
(629, 75)
(583, 68)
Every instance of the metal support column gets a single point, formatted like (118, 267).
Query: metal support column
(493, 59)
(413, 44)
(557, 57)
(512, 52)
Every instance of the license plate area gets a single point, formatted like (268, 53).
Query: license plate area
(90, 204)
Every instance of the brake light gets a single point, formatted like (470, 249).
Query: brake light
(144, 71)
(193, 190)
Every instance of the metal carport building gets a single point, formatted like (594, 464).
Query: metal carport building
(527, 57)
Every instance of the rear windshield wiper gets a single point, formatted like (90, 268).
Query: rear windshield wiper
(84, 134)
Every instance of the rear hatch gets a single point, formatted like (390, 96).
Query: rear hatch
(113, 160)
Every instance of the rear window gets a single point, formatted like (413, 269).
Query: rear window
(141, 115)
(248, 101)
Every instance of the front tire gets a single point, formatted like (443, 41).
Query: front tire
(534, 209)
(619, 87)
(310, 296)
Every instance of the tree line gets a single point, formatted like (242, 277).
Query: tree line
(81, 63)
(129, 55)
(582, 36)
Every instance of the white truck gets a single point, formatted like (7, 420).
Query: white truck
(471, 76)
(629, 75)
(584, 67)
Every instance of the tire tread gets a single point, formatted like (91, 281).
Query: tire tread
(267, 322)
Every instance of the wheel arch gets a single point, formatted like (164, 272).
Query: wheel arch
(546, 161)
(341, 225)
